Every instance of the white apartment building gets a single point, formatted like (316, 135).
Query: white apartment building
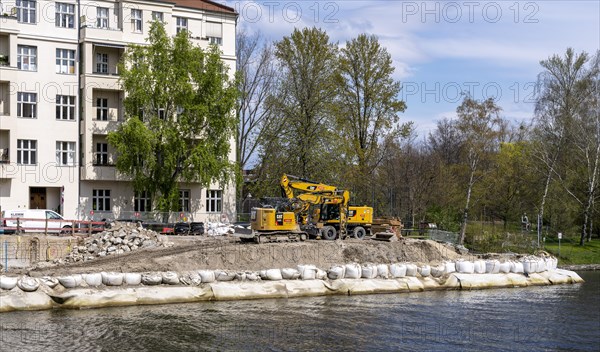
(60, 97)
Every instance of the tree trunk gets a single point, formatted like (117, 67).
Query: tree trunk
(463, 229)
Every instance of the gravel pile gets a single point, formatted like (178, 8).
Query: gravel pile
(119, 239)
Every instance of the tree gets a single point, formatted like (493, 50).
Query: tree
(179, 107)
(480, 125)
(567, 111)
(302, 104)
(257, 78)
(368, 105)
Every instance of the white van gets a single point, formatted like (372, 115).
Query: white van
(34, 220)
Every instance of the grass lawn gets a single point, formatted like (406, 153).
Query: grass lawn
(572, 253)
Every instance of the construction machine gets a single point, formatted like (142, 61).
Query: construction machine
(319, 211)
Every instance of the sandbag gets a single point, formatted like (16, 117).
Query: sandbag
(450, 267)
(551, 263)
(51, 282)
(112, 279)
(492, 267)
(529, 265)
(424, 270)
(290, 274)
(307, 272)
(504, 267)
(465, 267)
(541, 265)
(252, 276)
(398, 270)
(170, 278)
(271, 274)
(70, 281)
(321, 274)
(411, 270)
(28, 284)
(224, 276)
(7, 282)
(241, 276)
(336, 272)
(479, 267)
(383, 271)
(438, 270)
(517, 267)
(94, 279)
(207, 276)
(352, 271)
(368, 271)
(132, 279)
(151, 279)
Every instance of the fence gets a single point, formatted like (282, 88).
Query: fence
(20, 252)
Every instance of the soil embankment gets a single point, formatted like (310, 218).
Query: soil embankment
(192, 253)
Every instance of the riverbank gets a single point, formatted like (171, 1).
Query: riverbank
(126, 266)
(110, 289)
(581, 267)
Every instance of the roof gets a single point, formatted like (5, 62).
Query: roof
(204, 5)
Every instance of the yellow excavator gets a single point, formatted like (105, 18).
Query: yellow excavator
(319, 211)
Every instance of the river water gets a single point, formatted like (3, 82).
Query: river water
(549, 318)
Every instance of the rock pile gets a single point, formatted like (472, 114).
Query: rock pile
(118, 239)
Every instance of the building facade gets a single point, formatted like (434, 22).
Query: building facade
(60, 97)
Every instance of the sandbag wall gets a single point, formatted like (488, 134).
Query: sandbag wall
(115, 289)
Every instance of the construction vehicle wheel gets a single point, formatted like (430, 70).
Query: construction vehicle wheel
(303, 237)
(359, 232)
(328, 233)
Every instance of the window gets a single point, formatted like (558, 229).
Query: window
(214, 32)
(102, 109)
(101, 199)
(142, 202)
(26, 11)
(27, 105)
(65, 15)
(182, 24)
(161, 113)
(102, 154)
(136, 20)
(101, 63)
(214, 201)
(157, 16)
(65, 107)
(65, 61)
(27, 58)
(184, 200)
(101, 17)
(26, 152)
(65, 153)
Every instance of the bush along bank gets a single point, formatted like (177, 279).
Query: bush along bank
(106, 289)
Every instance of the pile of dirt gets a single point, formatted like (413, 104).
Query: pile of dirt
(119, 239)
(228, 254)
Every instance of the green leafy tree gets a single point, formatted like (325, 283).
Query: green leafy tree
(568, 123)
(368, 107)
(299, 143)
(179, 108)
(481, 128)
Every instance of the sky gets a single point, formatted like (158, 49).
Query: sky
(443, 48)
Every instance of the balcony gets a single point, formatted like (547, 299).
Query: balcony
(91, 33)
(100, 127)
(100, 81)
(102, 173)
(9, 23)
